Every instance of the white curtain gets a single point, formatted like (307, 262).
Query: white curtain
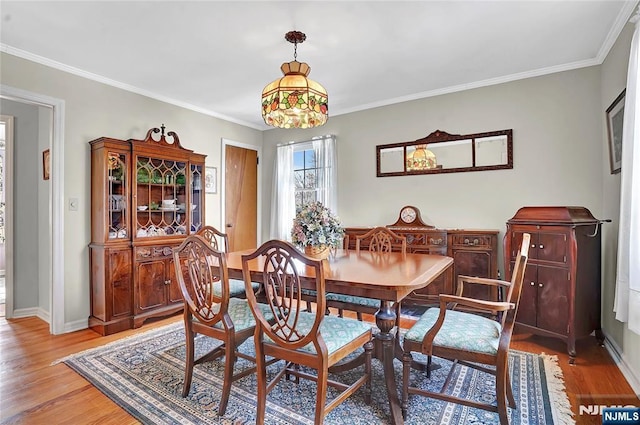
(283, 207)
(627, 300)
(325, 150)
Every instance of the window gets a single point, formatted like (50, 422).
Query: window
(304, 172)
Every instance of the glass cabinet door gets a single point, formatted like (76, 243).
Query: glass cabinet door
(197, 191)
(162, 202)
(117, 217)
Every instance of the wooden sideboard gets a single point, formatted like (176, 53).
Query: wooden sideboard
(474, 253)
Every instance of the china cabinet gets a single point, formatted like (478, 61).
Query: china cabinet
(561, 290)
(474, 253)
(146, 196)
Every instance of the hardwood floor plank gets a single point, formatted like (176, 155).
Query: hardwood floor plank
(33, 391)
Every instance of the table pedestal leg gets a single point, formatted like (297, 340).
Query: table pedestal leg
(386, 320)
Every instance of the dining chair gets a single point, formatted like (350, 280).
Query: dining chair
(299, 338)
(220, 242)
(381, 240)
(469, 339)
(202, 275)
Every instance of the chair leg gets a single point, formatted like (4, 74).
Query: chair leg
(368, 350)
(429, 367)
(510, 399)
(229, 362)
(321, 396)
(261, 374)
(359, 316)
(501, 394)
(406, 370)
(188, 364)
(340, 312)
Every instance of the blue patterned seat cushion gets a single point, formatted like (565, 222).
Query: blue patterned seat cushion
(463, 331)
(350, 299)
(236, 288)
(336, 331)
(241, 315)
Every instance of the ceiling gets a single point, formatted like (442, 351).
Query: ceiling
(215, 57)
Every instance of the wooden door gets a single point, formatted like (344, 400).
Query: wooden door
(241, 197)
(528, 305)
(554, 293)
(151, 291)
(175, 294)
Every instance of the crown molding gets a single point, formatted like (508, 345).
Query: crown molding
(104, 80)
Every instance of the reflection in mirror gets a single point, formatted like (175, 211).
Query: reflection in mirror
(420, 158)
(391, 160)
(491, 150)
(455, 154)
(441, 152)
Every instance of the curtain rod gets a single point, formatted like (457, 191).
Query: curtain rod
(292, 142)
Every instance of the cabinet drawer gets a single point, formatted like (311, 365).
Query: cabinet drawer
(143, 253)
(424, 239)
(471, 240)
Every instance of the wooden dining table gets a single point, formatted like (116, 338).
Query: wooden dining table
(388, 276)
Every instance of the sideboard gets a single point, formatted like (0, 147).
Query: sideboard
(474, 253)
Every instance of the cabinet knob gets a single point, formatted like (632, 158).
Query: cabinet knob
(541, 246)
(229, 225)
(533, 284)
(540, 285)
(167, 282)
(533, 245)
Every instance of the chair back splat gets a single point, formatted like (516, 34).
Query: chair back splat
(301, 338)
(220, 242)
(469, 339)
(380, 240)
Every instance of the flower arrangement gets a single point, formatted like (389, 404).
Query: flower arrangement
(315, 225)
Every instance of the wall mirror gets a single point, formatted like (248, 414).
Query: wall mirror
(441, 152)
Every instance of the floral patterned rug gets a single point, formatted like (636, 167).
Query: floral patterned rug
(144, 374)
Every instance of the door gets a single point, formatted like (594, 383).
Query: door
(241, 197)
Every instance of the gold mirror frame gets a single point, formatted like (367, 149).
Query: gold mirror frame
(462, 153)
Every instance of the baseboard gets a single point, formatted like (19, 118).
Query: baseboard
(78, 325)
(31, 312)
(44, 315)
(25, 312)
(627, 371)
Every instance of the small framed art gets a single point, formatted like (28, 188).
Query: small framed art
(210, 180)
(46, 164)
(615, 117)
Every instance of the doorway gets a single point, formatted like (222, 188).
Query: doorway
(50, 280)
(241, 196)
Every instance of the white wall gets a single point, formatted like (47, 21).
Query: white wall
(93, 110)
(614, 80)
(557, 137)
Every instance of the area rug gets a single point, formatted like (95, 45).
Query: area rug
(144, 374)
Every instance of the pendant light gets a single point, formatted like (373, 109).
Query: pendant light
(295, 101)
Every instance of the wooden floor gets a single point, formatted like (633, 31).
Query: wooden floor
(32, 391)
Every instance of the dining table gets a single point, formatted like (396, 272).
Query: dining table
(386, 276)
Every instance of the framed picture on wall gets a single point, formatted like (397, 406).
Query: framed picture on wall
(46, 164)
(615, 116)
(210, 180)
